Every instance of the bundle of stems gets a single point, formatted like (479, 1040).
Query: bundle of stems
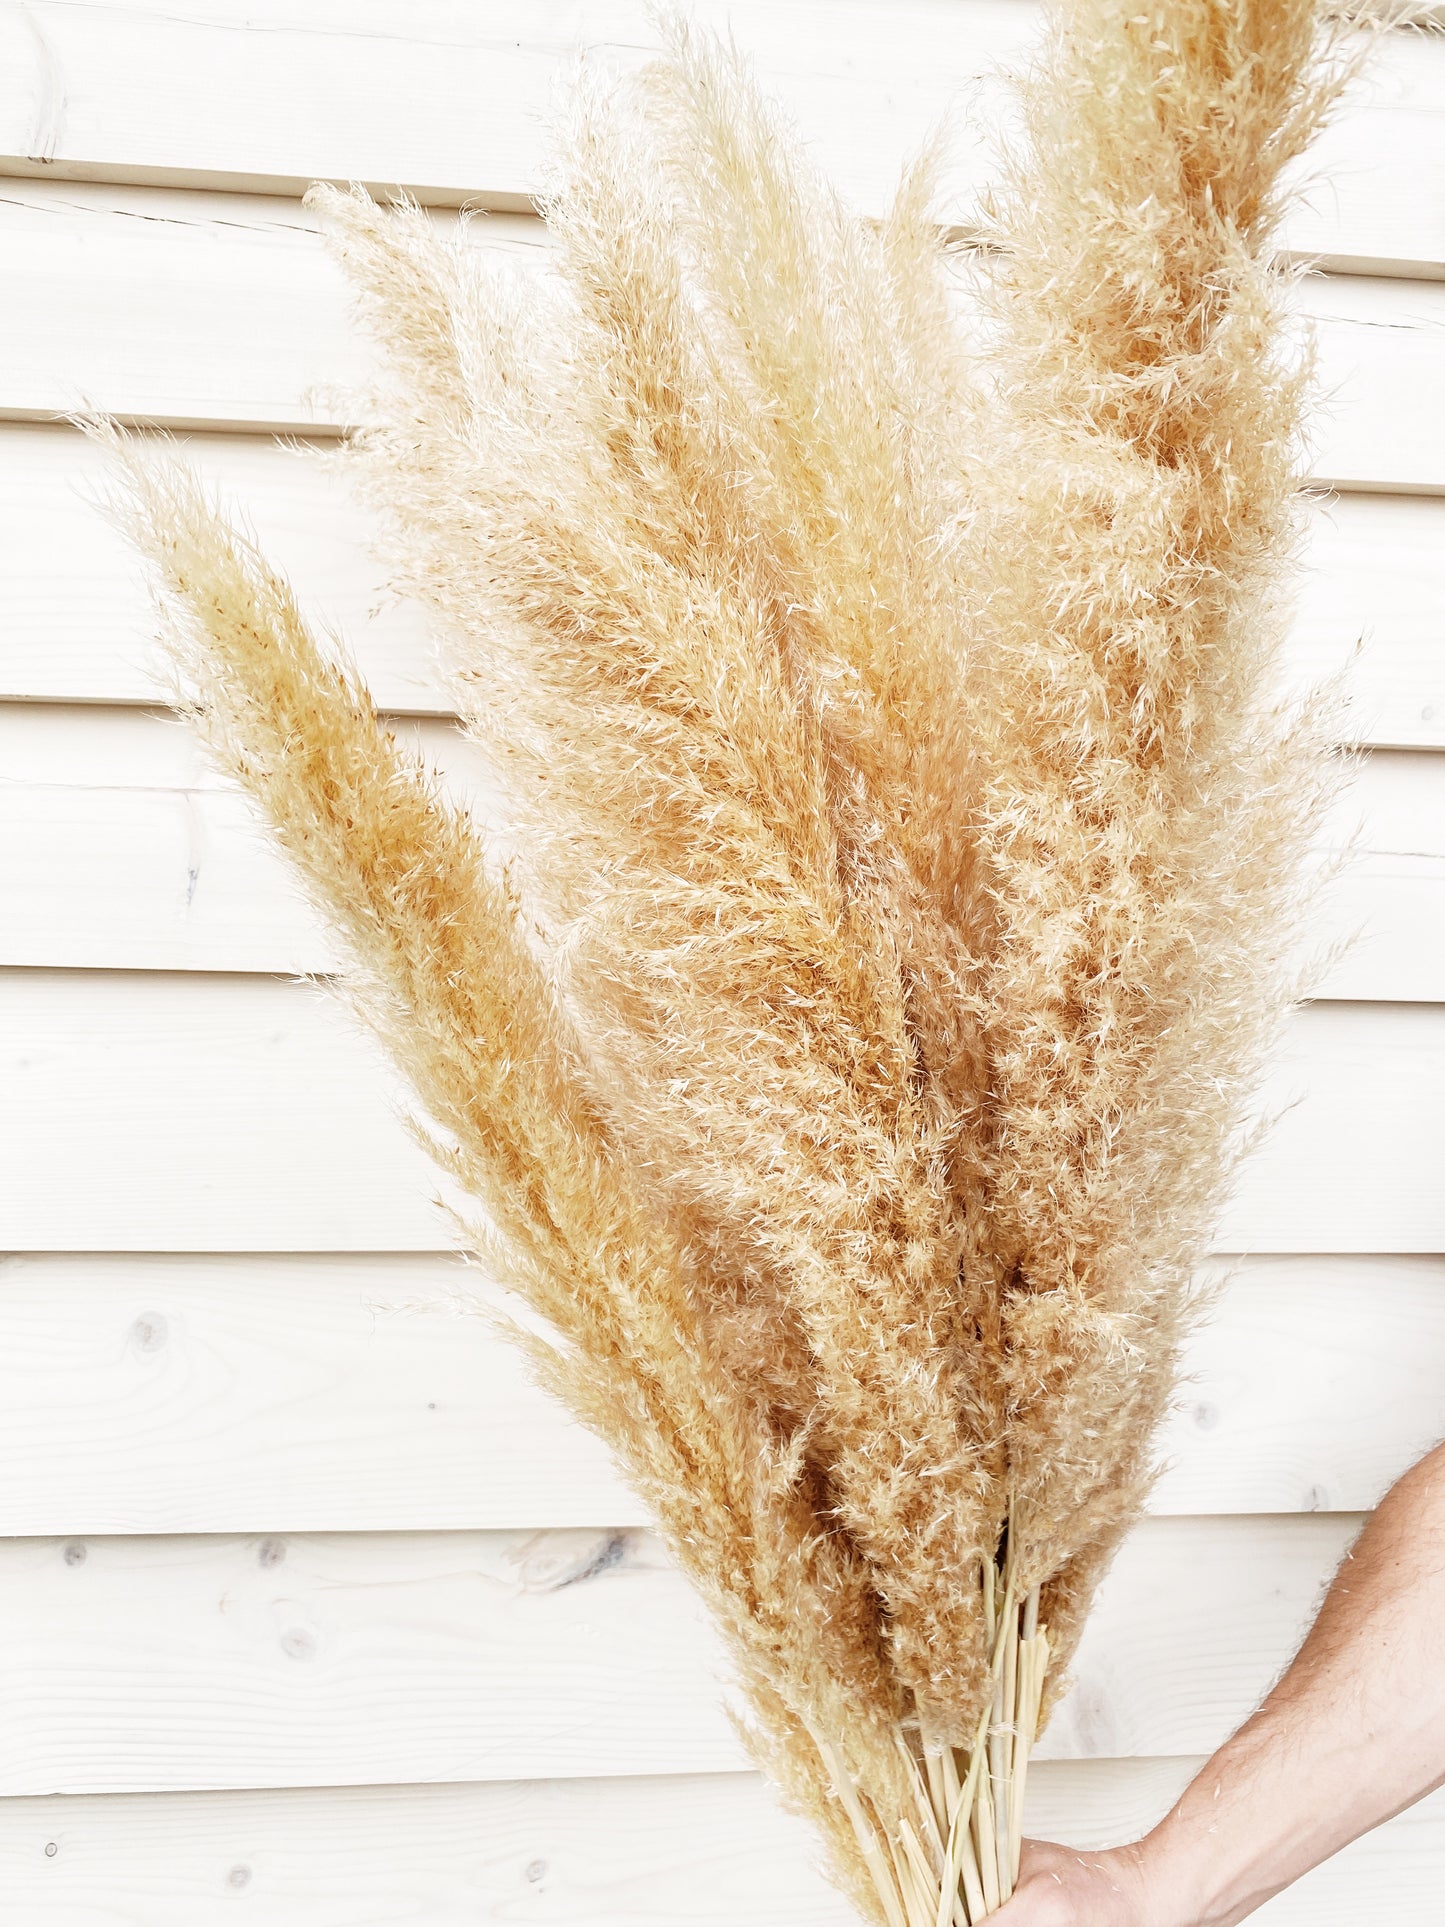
(878, 651)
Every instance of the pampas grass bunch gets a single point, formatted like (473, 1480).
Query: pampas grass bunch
(878, 653)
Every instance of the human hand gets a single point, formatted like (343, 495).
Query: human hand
(1062, 1887)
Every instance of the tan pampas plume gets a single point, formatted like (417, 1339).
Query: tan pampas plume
(851, 1052)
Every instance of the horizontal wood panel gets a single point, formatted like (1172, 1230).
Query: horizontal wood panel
(1350, 1160)
(1381, 415)
(1193, 1623)
(271, 97)
(76, 617)
(202, 311)
(115, 827)
(1313, 1385)
(255, 1117)
(76, 621)
(1374, 585)
(711, 1849)
(185, 880)
(155, 1112)
(169, 1664)
(138, 1664)
(1385, 904)
(185, 308)
(118, 852)
(154, 1394)
(281, 1394)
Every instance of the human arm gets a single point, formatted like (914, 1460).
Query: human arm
(1353, 1733)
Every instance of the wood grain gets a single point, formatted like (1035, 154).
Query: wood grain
(711, 1849)
(156, 1112)
(119, 851)
(184, 1394)
(1382, 382)
(340, 1659)
(76, 622)
(1371, 612)
(195, 310)
(120, 848)
(304, 1530)
(255, 1117)
(1314, 1384)
(172, 1394)
(76, 617)
(272, 96)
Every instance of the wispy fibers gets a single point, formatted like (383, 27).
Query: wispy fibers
(851, 1053)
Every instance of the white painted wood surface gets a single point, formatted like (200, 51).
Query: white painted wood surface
(156, 1112)
(76, 625)
(711, 1849)
(334, 1545)
(120, 850)
(1374, 585)
(274, 96)
(248, 1393)
(76, 621)
(195, 310)
(338, 1659)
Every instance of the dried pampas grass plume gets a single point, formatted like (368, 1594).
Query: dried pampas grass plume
(850, 1058)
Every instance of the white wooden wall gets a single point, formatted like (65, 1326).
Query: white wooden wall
(310, 1608)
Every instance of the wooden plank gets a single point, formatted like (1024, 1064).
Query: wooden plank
(152, 1112)
(180, 1394)
(326, 96)
(1368, 206)
(76, 618)
(712, 1849)
(1382, 376)
(76, 623)
(273, 96)
(1313, 1386)
(286, 1394)
(1343, 1165)
(1387, 901)
(117, 853)
(161, 848)
(147, 878)
(254, 1118)
(708, 1849)
(1213, 1580)
(196, 310)
(1374, 584)
(188, 309)
(188, 1663)
(212, 1662)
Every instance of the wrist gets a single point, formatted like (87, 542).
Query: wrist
(1163, 1888)
(1193, 1870)
(1171, 1891)
(1108, 1887)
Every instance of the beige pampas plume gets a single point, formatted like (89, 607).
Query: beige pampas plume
(1152, 804)
(851, 1053)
